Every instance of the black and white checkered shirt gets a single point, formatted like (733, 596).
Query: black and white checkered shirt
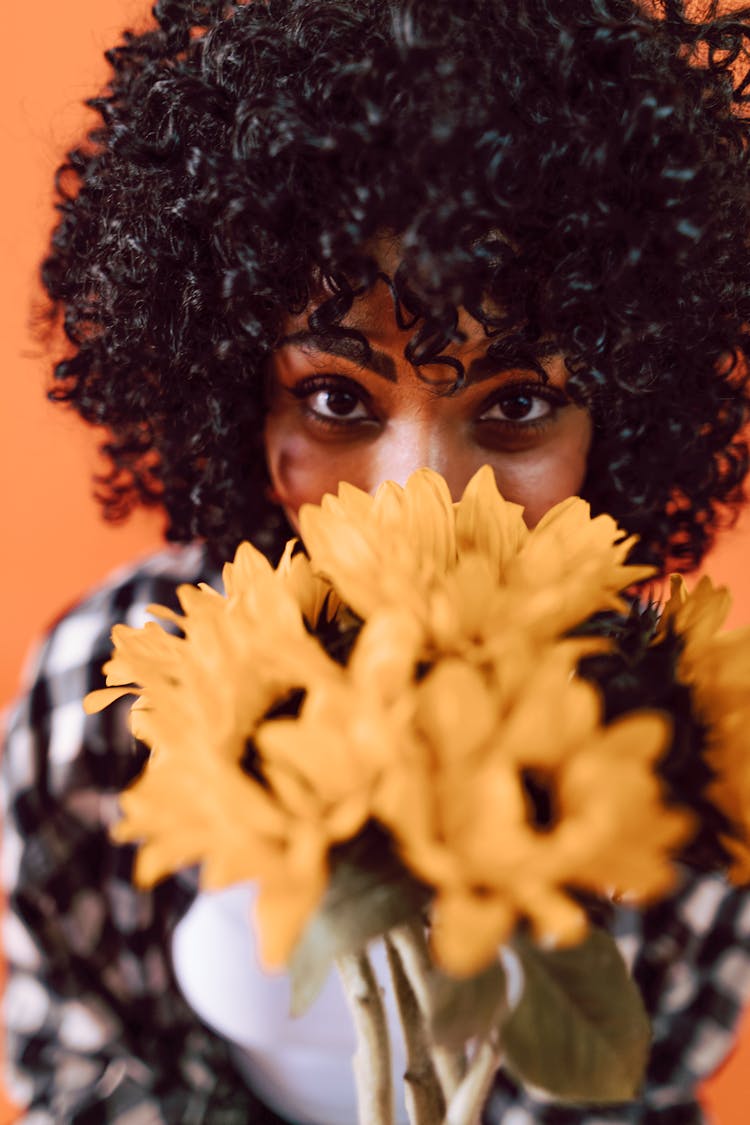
(98, 1031)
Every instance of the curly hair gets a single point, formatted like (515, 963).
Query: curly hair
(580, 166)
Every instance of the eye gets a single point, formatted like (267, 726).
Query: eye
(333, 401)
(522, 406)
(336, 405)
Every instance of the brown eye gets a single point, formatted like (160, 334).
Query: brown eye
(342, 405)
(522, 407)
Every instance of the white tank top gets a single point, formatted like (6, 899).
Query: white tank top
(302, 1068)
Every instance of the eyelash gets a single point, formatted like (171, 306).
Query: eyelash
(552, 395)
(308, 387)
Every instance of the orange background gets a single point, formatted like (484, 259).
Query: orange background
(55, 545)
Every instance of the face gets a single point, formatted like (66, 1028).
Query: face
(334, 418)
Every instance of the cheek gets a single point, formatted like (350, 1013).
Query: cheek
(302, 471)
(555, 474)
(539, 491)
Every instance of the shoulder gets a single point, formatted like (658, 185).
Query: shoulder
(82, 631)
(123, 596)
(49, 738)
(690, 955)
(693, 966)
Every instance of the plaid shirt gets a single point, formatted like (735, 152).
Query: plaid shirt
(98, 1031)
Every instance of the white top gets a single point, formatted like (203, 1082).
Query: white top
(302, 1068)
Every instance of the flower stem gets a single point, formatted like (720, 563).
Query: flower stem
(410, 942)
(425, 1103)
(372, 1059)
(466, 1104)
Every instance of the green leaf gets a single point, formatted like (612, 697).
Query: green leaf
(579, 1030)
(369, 892)
(463, 1009)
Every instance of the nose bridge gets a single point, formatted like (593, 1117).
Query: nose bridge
(422, 442)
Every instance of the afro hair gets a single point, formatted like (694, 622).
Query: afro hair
(582, 167)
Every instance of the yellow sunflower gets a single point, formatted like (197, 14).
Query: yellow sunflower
(237, 656)
(467, 614)
(458, 693)
(507, 816)
(382, 549)
(716, 667)
(201, 696)
(696, 617)
(402, 545)
(352, 730)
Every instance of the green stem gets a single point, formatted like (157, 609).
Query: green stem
(425, 1103)
(372, 1058)
(466, 1105)
(411, 944)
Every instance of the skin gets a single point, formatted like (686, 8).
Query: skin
(331, 417)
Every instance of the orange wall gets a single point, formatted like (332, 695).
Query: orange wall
(54, 542)
(54, 545)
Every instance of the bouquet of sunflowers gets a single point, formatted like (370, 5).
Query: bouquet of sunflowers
(437, 727)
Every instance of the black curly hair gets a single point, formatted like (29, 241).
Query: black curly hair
(580, 165)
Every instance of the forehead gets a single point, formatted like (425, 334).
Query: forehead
(370, 336)
(379, 321)
(373, 314)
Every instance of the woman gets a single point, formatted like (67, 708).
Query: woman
(313, 241)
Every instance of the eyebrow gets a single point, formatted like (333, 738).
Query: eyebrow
(348, 345)
(512, 353)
